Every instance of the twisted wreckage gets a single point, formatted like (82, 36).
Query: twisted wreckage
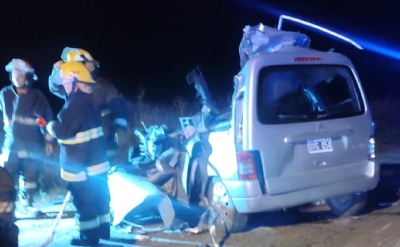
(298, 131)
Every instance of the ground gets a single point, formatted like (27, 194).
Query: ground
(378, 226)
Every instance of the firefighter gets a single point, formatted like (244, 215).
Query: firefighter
(25, 144)
(83, 159)
(113, 106)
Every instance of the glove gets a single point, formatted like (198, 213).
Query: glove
(41, 122)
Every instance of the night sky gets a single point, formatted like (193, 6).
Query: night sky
(152, 44)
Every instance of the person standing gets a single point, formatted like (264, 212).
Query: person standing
(83, 160)
(25, 143)
(111, 103)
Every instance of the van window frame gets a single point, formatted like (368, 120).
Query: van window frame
(309, 93)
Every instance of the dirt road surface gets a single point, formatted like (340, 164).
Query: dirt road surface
(379, 225)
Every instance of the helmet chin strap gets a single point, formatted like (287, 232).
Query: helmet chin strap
(84, 87)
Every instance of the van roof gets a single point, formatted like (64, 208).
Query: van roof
(261, 39)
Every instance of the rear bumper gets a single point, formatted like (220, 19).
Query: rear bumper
(248, 197)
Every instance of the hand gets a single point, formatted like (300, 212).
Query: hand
(48, 149)
(41, 122)
(121, 138)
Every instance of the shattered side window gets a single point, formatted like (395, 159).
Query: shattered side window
(292, 94)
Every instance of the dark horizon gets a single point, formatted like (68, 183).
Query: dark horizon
(153, 45)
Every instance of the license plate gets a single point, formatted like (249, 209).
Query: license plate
(320, 146)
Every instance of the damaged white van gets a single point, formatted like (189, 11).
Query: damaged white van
(299, 131)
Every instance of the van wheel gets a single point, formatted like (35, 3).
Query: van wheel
(231, 220)
(348, 205)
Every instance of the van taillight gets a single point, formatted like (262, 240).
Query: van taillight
(246, 166)
(371, 148)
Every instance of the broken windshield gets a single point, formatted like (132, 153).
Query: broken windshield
(290, 94)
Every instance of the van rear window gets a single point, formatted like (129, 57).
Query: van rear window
(292, 94)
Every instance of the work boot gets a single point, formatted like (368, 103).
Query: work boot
(104, 231)
(84, 242)
(87, 237)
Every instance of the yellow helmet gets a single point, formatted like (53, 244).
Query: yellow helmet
(76, 54)
(75, 71)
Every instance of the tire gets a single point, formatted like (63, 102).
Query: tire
(348, 205)
(219, 198)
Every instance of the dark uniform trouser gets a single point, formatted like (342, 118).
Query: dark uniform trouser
(92, 201)
(8, 230)
(29, 169)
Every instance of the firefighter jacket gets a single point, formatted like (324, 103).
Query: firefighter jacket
(112, 105)
(18, 114)
(105, 97)
(80, 135)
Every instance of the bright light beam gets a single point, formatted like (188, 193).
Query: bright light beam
(306, 23)
(365, 41)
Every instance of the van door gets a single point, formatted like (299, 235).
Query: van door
(311, 126)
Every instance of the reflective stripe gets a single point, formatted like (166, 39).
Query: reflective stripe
(6, 207)
(98, 169)
(83, 136)
(89, 224)
(105, 218)
(25, 120)
(22, 154)
(7, 122)
(82, 176)
(111, 152)
(121, 122)
(5, 155)
(105, 112)
(30, 185)
(49, 128)
(73, 177)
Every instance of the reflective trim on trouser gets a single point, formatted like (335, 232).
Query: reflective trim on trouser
(6, 207)
(98, 169)
(89, 229)
(73, 177)
(105, 218)
(89, 224)
(29, 168)
(112, 152)
(30, 185)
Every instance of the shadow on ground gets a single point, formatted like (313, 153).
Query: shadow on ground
(384, 195)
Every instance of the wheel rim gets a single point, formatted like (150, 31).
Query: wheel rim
(221, 196)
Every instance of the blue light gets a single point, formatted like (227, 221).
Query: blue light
(365, 41)
(318, 27)
(381, 49)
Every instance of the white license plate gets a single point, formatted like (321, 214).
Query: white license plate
(320, 146)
